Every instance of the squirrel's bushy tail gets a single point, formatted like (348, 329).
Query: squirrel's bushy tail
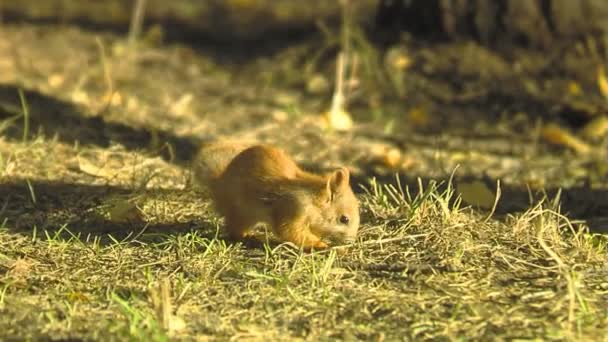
(213, 157)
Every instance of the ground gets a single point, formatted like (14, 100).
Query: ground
(104, 236)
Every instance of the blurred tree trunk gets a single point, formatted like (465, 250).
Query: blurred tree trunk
(536, 23)
(215, 19)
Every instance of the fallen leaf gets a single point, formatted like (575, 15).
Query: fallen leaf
(392, 158)
(397, 58)
(77, 297)
(339, 120)
(56, 80)
(476, 193)
(418, 117)
(81, 97)
(602, 82)
(280, 115)
(91, 169)
(114, 99)
(317, 84)
(22, 267)
(124, 211)
(556, 135)
(176, 324)
(596, 128)
(574, 88)
(183, 105)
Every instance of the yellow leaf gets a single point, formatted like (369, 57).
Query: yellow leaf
(419, 117)
(574, 88)
(602, 82)
(386, 156)
(90, 168)
(339, 120)
(397, 58)
(124, 211)
(558, 136)
(317, 84)
(596, 128)
(476, 193)
(56, 80)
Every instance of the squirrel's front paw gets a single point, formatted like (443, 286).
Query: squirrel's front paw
(317, 245)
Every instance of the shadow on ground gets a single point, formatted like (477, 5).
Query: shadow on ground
(41, 205)
(63, 119)
(66, 211)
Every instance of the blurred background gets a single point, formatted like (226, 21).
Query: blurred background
(514, 90)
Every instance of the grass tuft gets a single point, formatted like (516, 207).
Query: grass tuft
(424, 267)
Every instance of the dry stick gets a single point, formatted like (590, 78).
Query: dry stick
(107, 74)
(344, 4)
(498, 193)
(137, 19)
(350, 85)
(26, 115)
(522, 261)
(32, 192)
(378, 242)
(337, 103)
(161, 300)
(165, 298)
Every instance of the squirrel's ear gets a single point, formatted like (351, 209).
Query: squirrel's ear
(338, 180)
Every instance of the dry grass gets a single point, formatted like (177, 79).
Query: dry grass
(423, 268)
(107, 243)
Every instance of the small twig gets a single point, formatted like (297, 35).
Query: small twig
(137, 19)
(107, 73)
(352, 77)
(550, 268)
(32, 192)
(337, 103)
(496, 199)
(141, 232)
(26, 115)
(161, 300)
(381, 241)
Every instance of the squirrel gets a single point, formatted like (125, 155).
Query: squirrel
(252, 184)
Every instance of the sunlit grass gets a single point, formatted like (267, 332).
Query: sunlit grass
(424, 267)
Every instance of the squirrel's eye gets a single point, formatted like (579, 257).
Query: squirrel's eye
(344, 219)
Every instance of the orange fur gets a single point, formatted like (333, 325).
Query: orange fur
(262, 184)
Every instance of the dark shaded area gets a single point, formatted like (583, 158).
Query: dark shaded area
(50, 212)
(67, 211)
(223, 48)
(56, 117)
(390, 19)
(537, 23)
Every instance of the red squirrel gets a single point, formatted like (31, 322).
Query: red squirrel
(262, 184)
